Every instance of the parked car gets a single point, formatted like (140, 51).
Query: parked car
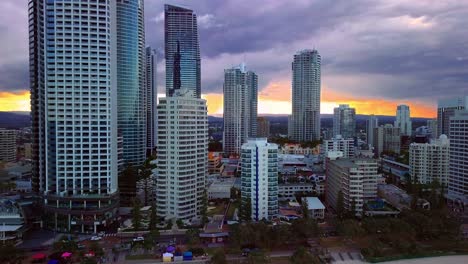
(138, 239)
(96, 238)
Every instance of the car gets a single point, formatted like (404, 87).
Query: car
(96, 238)
(102, 233)
(138, 239)
(81, 246)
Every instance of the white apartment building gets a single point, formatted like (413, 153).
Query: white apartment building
(7, 145)
(403, 120)
(259, 177)
(458, 166)
(357, 180)
(182, 147)
(338, 143)
(287, 191)
(430, 161)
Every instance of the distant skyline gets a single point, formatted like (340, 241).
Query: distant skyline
(375, 54)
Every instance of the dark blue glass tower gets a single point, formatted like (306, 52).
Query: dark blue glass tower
(182, 50)
(131, 80)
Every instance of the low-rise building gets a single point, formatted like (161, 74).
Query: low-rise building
(338, 143)
(287, 191)
(395, 168)
(221, 188)
(215, 166)
(315, 207)
(297, 149)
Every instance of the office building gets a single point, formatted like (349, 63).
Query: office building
(338, 143)
(131, 80)
(305, 118)
(371, 124)
(445, 109)
(151, 100)
(240, 108)
(182, 51)
(458, 164)
(7, 145)
(259, 177)
(356, 179)
(74, 88)
(403, 120)
(344, 121)
(430, 162)
(386, 139)
(263, 127)
(182, 159)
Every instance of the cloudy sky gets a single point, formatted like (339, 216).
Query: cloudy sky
(375, 53)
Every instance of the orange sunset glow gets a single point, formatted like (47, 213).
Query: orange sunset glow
(274, 99)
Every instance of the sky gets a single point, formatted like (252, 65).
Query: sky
(376, 54)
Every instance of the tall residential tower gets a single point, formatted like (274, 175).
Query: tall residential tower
(445, 109)
(403, 120)
(344, 121)
(240, 108)
(305, 118)
(151, 100)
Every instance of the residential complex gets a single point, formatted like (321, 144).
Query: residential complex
(356, 179)
(430, 162)
(240, 108)
(315, 207)
(7, 145)
(458, 166)
(403, 120)
(344, 121)
(445, 109)
(259, 178)
(305, 118)
(386, 139)
(182, 159)
(338, 143)
(182, 50)
(151, 100)
(263, 127)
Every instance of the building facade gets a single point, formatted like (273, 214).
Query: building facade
(151, 100)
(430, 162)
(259, 178)
(131, 80)
(182, 50)
(371, 124)
(386, 139)
(445, 109)
(240, 108)
(458, 166)
(344, 121)
(432, 126)
(181, 163)
(7, 145)
(356, 179)
(263, 127)
(73, 105)
(403, 120)
(306, 83)
(338, 143)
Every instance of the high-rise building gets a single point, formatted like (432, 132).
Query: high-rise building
(131, 80)
(7, 144)
(338, 143)
(356, 179)
(430, 162)
(403, 120)
(182, 157)
(259, 178)
(240, 108)
(458, 166)
(445, 109)
(263, 127)
(344, 121)
(151, 100)
(305, 118)
(386, 139)
(182, 50)
(432, 126)
(371, 124)
(73, 78)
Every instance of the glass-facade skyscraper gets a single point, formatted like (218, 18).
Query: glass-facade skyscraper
(131, 80)
(73, 82)
(344, 121)
(305, 118)
(182, 50)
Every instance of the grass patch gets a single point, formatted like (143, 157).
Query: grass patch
(217, 210)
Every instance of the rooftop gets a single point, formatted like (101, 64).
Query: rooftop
(313, 203)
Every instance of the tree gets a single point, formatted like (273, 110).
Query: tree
(136, 214)
(409, 183)
(204, 208)
(153, 224)
(64, 244)
(94, 247)
(305, 227)
(246, 210)
(193, 236)
(219, 257)
(340, 205)
(258, 257)
(9, 254)
(234, 193)
(302, 255)
(144, 175)
(305, 208)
